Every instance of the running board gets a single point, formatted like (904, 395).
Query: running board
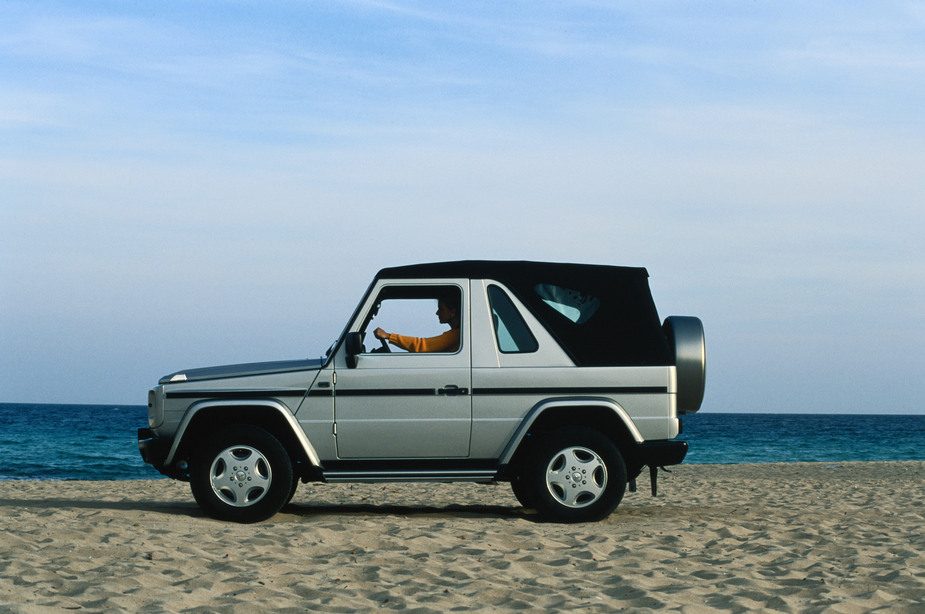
(446, 475)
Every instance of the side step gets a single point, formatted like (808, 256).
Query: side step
(441, 475)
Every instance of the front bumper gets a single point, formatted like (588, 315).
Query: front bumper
(154, 450)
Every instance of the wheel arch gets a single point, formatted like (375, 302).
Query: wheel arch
(272, 416)
(603, 415)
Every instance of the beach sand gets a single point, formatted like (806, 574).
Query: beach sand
(813, 537)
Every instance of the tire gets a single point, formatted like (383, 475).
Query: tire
(295, 486)
(575, 475)
(517, 485)
(689, 355)
(242, 473)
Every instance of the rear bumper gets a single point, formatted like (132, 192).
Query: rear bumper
(657, 454)
(662, 453)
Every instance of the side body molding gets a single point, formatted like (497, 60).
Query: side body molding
(276, 406)
(544, 406)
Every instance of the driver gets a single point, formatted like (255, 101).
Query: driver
(447, 313)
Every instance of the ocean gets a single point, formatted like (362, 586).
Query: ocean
(98, 442)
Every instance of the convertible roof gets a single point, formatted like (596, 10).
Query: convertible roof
(625, 330)
(502, 270)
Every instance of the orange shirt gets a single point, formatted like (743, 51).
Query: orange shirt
(447, 342)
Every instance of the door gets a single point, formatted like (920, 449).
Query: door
(402, 404)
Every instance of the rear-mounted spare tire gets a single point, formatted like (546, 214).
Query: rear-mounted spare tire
(689, 355)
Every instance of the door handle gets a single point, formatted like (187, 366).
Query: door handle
(452, 390)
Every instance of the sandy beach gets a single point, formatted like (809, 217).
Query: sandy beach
(828, 537)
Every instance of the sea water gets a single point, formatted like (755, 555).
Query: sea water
(99, 442)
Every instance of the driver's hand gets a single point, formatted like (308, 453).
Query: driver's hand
(380, 334)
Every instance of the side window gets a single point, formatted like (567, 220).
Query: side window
(574, 305)
(419, 318)
(511, 331)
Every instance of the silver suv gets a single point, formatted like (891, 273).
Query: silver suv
(558, 378)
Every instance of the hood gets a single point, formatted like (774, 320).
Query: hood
(228, 371)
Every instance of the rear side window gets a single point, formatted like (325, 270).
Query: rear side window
(574, 305)
(511, 332)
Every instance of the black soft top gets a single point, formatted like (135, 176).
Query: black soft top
(623, 330)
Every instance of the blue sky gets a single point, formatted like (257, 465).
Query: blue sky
(194, 183)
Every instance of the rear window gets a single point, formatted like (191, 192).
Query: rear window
(576, 306)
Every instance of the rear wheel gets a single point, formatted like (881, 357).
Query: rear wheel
(576, 475)
(517, 485)
(242, 473)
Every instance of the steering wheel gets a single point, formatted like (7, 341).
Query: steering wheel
(385, 347)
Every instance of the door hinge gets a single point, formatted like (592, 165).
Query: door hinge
(335, 429)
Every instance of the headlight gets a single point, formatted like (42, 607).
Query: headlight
(155, 407)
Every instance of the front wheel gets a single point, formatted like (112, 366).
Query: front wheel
(576, 475)
(242, 473)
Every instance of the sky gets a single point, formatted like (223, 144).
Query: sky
(197, 183)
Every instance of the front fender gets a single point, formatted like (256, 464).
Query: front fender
(275, 406)
(556, 404)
